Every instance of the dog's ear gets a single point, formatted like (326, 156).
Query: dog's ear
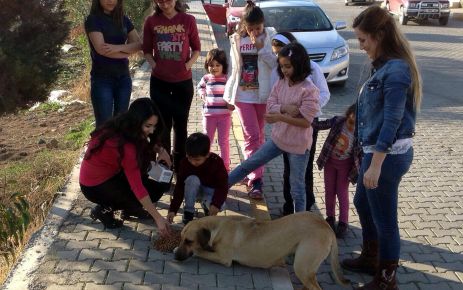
(203, 236)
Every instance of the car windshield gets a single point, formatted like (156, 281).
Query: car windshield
(296, 19)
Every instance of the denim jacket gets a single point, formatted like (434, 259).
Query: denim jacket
(385, 111)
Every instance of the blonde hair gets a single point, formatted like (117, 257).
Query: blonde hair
(377, 22)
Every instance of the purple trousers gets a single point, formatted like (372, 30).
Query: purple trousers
(336, 173)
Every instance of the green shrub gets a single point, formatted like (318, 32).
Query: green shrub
(14, 219)
(31, 36)
(137, 12)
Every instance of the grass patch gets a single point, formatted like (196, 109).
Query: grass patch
(77, 136)
(49, 106)
(39, 179)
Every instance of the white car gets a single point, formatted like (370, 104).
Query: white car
(314, 30)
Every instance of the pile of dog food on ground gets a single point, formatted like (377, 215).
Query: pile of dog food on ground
(168, 243)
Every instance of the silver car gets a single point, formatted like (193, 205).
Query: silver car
(313, 29)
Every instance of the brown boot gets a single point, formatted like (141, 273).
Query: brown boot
(384, 278)
(367, 262)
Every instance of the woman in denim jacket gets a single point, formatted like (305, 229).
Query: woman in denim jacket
(385, 125)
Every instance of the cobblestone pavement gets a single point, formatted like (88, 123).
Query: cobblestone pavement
(431, 194)
(85, 256)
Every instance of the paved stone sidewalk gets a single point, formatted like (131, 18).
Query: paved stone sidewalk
(86, 256)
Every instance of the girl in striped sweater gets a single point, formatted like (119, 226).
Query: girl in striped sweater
(216, 111)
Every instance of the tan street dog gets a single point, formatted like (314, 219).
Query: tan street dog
(264, 244)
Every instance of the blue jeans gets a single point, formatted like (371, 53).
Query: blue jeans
(377, 208)
(110, 96)
(195, 191)
(267, 152)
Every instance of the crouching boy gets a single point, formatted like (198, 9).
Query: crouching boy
(201, 176)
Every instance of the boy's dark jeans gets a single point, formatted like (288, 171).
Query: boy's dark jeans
(117, 194)
(377, 208)
(310, 196)
(174, 102)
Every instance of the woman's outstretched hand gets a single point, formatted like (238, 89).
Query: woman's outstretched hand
(163, 226)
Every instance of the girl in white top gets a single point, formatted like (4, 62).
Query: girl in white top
(248, 86)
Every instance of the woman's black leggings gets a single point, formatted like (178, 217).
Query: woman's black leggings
(117, 194)
(174, 102)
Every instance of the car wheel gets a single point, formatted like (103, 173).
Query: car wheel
(402, 18)
(444, 20)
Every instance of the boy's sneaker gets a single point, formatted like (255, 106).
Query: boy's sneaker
(187, 217)
(341, 230)
(256, 190)
(331, 220)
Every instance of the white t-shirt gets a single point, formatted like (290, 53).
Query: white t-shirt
(248, 88)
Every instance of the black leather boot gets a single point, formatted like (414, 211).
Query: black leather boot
(367, 262)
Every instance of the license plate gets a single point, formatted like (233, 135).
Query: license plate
(431, 10)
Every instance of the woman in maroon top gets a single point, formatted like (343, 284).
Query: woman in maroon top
(171, 46)
(114, 172)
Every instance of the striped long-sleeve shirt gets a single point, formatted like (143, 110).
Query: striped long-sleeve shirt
(212, 88)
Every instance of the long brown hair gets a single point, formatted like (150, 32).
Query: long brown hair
(377, 22)
(252, 15)
(117, 13)
(179, 7)
(127, 128)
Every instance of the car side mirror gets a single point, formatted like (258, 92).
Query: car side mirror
(338, 25)
(226, 5)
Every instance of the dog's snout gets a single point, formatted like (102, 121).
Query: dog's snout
(181, 253)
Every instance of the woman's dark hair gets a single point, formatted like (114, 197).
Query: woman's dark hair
(117, 14)
(219, 56)
(351, 110)
(288, 35)
(299, 60)
(252, 15)
(197, 144)
(382, 27)
(179, 7)
(127, 127)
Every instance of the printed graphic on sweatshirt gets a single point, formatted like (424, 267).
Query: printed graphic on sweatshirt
(249, 73)
(170, 40)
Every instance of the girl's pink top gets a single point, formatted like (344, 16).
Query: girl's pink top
(305, 96)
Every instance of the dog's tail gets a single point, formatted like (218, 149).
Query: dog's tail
(335, 266)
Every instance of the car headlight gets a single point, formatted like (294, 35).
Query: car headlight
(413, 5)
(340, 52)
(445, 5)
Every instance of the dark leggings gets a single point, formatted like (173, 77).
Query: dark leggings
(174, 102)
(116, 193)
(310, 196)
